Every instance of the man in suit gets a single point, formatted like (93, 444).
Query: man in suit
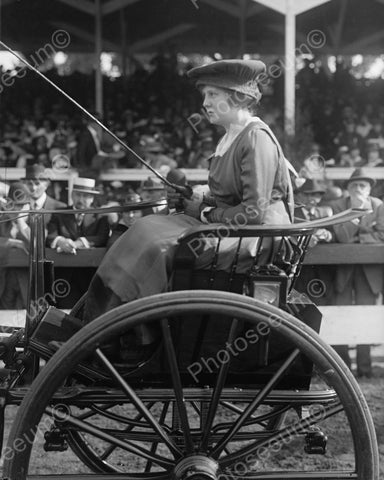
(89, 144)
(37, 182)
(13, 281)
(359, 284)
(68, 233)
(95, 150)
(315, 280)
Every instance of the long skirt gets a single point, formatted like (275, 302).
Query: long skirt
(139, 263)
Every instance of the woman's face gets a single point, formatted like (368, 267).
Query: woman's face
(218, 105)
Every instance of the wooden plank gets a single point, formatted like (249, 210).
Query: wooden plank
(83, 5)
(326, 254)
(352, 324)
(192, 174)
(83, 258)
(114, 5)
(341, 253)
(349, 324)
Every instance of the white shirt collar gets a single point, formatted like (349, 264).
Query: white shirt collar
(39, 203)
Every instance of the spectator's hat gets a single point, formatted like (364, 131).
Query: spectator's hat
(243, 76)
(35, 172)
(151, 184)
(310, 186)
(85, 185)
(131, 197)
(373, 147)
(150, 144)
(344, 149)
(360, 174)
(18, 193)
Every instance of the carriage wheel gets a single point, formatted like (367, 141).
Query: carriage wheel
(198, 432)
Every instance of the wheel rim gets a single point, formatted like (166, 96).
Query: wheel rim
(236, 306)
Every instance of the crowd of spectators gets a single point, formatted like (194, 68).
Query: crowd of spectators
(157, 110)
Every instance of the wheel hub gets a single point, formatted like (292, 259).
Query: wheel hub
(196, 467)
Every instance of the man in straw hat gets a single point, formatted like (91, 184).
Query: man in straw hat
(359, 284)
(68, 233)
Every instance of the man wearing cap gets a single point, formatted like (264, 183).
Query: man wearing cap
(153, 191)
(68, 233)
(13, 281)
(359, 284)
(307, 199)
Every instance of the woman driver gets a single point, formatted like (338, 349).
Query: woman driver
(249, 183)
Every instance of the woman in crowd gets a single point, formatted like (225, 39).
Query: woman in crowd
(249, 183)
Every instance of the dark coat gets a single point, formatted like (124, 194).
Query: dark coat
(19, 275)
(93, 228)
(349, 232)
(86, 149)
(52, 204)
(318, 212)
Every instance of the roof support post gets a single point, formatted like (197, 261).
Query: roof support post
(98, 51)
(290, 9)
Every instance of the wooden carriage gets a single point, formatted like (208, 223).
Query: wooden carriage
(237, 385)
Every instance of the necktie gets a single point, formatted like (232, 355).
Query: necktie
(79, 218)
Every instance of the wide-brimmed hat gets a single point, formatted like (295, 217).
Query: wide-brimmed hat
(360, 174)
(35, 172)
(311, 186)
(85, 185)
(242, 76)
(18, 193)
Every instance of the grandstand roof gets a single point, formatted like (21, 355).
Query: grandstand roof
(205, 26)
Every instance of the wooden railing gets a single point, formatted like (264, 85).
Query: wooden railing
(192, 174)
(323, 254)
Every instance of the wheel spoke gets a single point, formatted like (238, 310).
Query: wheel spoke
(220, 382)
(139, 404)
(287, 433)
(253, 405)
(109, 450)
(96, 432)
(178, 389)
(154, 445)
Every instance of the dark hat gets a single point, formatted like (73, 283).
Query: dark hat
(151, 184)
(360, 174)
(85, 185)
(18, 193)
(239, 75)
(35, 172)
(151, 144)
(311, 186)
(176, 176)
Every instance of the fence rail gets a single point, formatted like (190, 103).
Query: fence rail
(323, 254)
(192, 174)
